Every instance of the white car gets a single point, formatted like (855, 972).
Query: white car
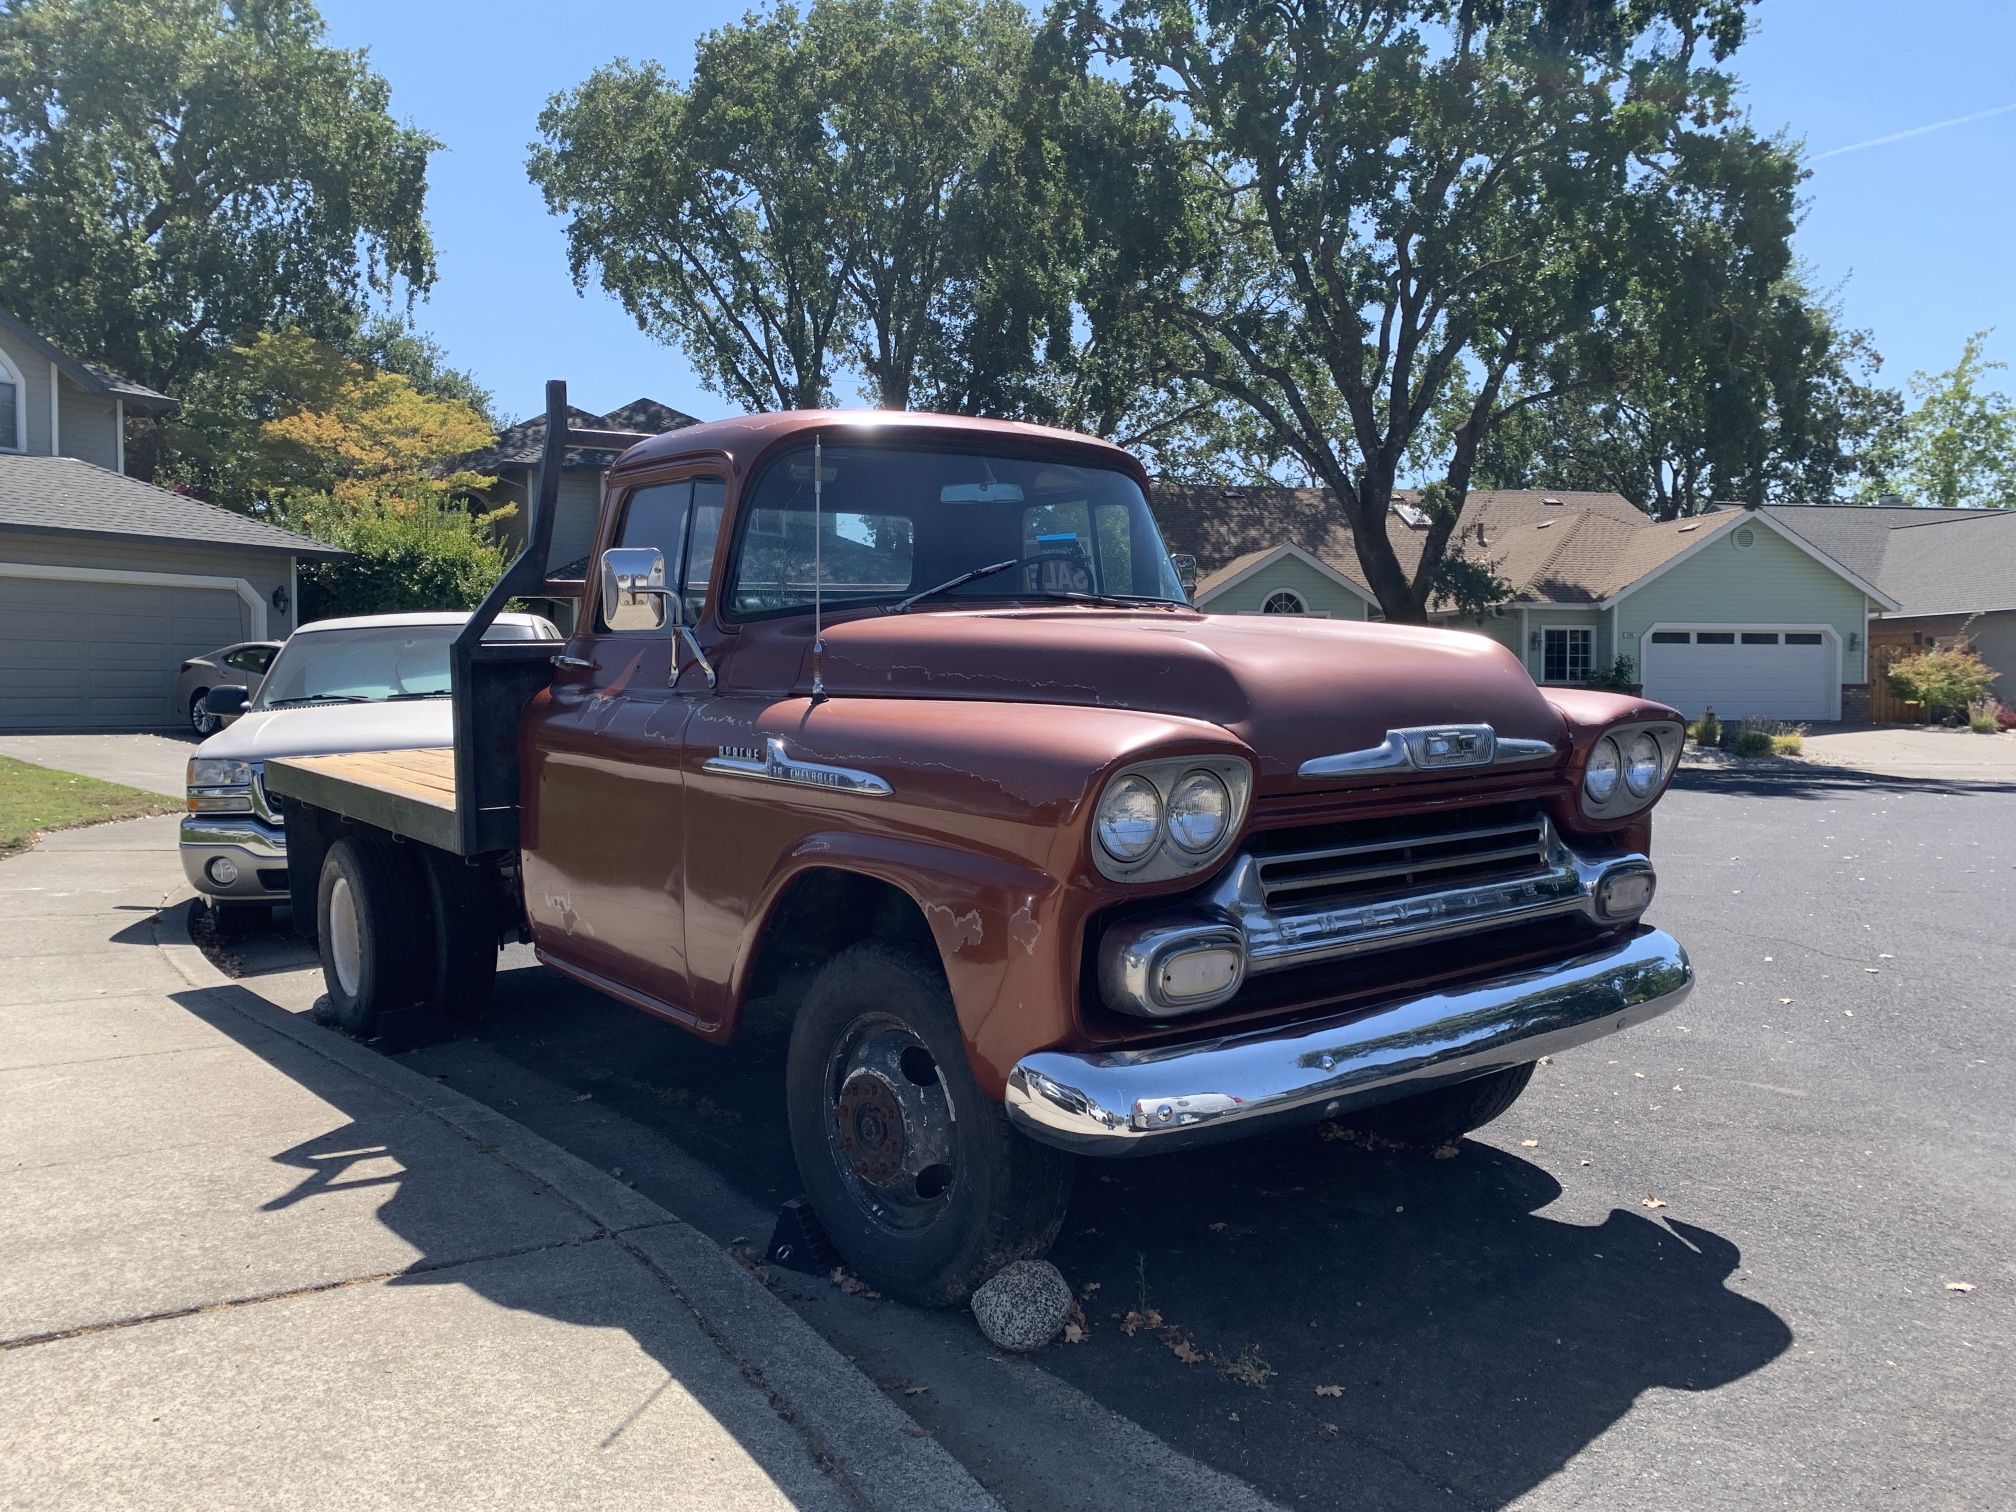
(375, 683)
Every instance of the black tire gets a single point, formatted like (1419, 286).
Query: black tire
(234, 919)
(998, 1197)
(464, 907)
(202, 723)
(1447, 1113)
(380, 965)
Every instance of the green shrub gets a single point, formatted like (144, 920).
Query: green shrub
(1753, 743)
(1788, 745)
(1983, 716)
(1941, 677)
(402, 557)
(1621, 676)
(1707, 730)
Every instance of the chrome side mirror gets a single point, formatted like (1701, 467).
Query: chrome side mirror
(634, 595)
(1186, 571)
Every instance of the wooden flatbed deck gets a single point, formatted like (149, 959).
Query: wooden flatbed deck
(410, 793)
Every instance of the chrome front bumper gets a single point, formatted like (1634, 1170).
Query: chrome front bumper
(1129, 1102)
(247, 842)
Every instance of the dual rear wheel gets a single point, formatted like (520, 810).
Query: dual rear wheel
(408, 937)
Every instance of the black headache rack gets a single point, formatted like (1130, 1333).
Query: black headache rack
(491, 683)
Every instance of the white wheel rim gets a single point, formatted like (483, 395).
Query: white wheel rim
(346, 944)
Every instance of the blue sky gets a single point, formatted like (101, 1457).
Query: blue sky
(1917, 232)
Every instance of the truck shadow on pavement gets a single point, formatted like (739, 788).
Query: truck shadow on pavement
(1476, 1345)
(478, 1221)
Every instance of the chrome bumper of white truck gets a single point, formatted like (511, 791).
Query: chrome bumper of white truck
(1127, 1102)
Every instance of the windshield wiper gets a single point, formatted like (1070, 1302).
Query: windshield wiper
(403, 697)
(280, 703)
(955, 582)
(1114, 600)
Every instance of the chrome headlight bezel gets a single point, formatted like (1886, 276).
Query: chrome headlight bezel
(1167, 858)
(1624, 799)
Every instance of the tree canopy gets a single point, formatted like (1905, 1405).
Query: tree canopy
(888, 192)
(284, 417)
(1956, 447)
(1410, 200)
(175, 174)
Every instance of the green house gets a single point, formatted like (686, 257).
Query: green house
(1734, 609)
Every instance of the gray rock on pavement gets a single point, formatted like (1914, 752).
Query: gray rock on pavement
(1022, 1306)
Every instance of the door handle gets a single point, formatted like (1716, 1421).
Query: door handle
(564, 660)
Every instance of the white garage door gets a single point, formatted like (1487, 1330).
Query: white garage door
(1762, 671)
(82, 655)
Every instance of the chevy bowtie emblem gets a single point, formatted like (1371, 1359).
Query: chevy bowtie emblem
(1430, 748)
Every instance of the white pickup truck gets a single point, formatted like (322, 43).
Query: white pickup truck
(371, 683)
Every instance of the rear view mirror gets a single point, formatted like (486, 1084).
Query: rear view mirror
(634, 596)
(226, 702)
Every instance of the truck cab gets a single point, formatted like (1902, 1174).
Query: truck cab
(904, 723)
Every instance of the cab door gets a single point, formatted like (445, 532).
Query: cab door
(604, 853)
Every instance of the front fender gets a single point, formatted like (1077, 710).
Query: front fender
(1000, 930)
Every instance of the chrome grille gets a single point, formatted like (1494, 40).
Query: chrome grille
(1323, 866)
(264, 804)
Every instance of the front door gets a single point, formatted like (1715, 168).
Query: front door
(604, 857)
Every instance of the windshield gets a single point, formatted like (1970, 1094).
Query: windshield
(896, 524)
(375, 663)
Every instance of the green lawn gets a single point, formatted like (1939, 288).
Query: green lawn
(35, 798)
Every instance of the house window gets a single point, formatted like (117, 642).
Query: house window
(13, 409)
(1670, 637)
(1283, 601)
(1567, 654)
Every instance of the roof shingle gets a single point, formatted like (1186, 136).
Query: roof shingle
(64, 496)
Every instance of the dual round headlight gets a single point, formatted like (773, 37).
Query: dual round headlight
(1134, 816)
(1638, 763)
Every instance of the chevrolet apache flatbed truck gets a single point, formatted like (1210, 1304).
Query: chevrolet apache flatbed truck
(902, 724)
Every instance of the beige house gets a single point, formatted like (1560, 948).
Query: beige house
(107, 584)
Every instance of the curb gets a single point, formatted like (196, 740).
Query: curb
(868, 1443)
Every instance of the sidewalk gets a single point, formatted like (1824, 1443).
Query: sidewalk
(246, 1262)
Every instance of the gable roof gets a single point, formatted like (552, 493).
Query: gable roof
(1551, 545)
(89, 376)
(1930, 561)
(63, 496)
(1659, 548)
(1241, 568)
(521, 445)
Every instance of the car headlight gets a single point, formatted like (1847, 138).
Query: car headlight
(219, 786)
(1200, 810)
(1170, 817)
(217, 772)
(1599, 778)
(1130, 819)
(1626, 766)
(1642, 763)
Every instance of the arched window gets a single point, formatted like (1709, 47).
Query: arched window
(13, 408)
(1283, 601)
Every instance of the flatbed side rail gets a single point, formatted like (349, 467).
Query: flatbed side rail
(410, 794)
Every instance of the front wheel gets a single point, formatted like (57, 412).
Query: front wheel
(1447, 1113)
(916, 1174)
(202, 722)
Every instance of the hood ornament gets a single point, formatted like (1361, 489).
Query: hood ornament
(1431, 748)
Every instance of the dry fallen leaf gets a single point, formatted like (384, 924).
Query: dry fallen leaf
(1136, 1320)
(1639, 1074)
(1074, 1333)
(1218, 1227)
(1447, 1151)
(1248, 1370)
(1529, 1144)
(1330, 1391)
(1960, 1286)
(1588, 1162)
(1651, 1202)
(915, 1390)
(1185, 1351)
(1783, 1001)
(853, 1285)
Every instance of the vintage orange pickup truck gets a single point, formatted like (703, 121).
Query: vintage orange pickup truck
(902, 724)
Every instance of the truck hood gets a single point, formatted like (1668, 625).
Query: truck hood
(1292, 689)
(326, 729)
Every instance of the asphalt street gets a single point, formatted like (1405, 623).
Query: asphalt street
(1754, 1254)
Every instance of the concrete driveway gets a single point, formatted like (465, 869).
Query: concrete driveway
(152, 763)
(1917, 751)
